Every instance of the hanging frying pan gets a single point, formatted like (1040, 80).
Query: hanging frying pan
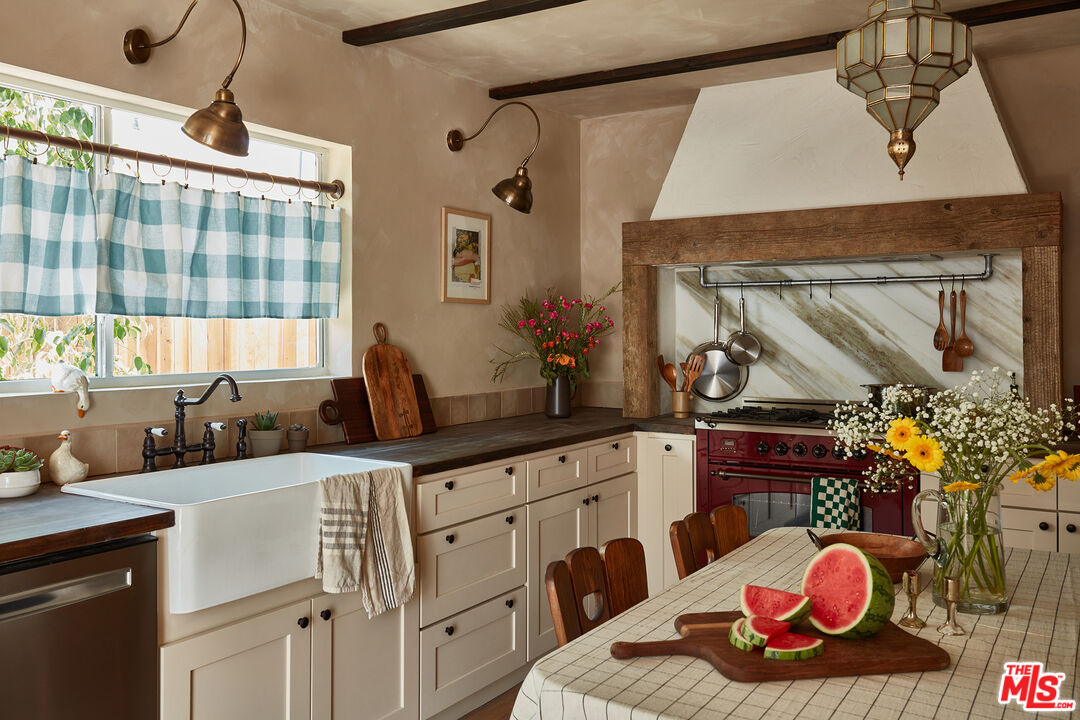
(721, 379)
(742, 348)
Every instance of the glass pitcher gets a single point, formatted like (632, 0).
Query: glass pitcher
(967, 546)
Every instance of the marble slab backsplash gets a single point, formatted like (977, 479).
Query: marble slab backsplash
(825, 348)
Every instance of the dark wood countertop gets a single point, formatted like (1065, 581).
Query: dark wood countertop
(50, 521)
(460, 446)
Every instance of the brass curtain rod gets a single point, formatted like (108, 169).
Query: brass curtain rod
(334, 190)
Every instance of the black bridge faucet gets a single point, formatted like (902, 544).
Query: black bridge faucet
(151, 452)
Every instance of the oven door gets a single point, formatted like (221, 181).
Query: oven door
(781, 498)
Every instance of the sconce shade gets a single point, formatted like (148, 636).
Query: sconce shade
(516, 191)
(220, 126)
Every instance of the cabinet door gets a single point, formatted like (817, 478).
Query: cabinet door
(465, 653)
(557, 472)
(461, 496)
(614, 509)
(257, 668)
(463, 565)
(364, 669)
(1029, 529)
(612, 458)
(676, 466)
(557, 525)
(1069, 533)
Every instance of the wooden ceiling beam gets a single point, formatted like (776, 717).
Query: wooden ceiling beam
(975, 16)
(478, 12)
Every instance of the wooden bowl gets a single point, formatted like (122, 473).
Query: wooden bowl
(897, 554)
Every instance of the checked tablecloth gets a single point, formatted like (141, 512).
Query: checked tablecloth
(582, 680)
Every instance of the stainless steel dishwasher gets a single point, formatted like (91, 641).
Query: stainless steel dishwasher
(78, 634)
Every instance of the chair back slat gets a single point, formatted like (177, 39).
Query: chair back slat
(681, 549)
(587, 576)
(624, 570)
(560, 593)
(731, 528)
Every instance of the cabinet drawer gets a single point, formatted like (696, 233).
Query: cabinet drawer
(1068, 495)
(470, 651)
(456, 498)
(1029, 529)
(612, 458)
(463, 565)
(1022, 495)
(556, 473)
(1069, 533)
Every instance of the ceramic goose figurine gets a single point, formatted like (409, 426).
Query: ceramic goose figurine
(64, 467)
(68, 378)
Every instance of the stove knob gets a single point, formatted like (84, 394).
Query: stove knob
(859, 454)
(819, 451)
(762, 448)
(780, 448)
(799, 449)
(838, 452)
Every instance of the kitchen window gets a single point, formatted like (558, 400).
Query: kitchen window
(122, 351)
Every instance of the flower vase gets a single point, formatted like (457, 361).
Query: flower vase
(558, 398)
(968, 547)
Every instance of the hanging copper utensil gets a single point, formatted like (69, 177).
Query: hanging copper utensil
(964, 346)
(941, 335)
(950, 359)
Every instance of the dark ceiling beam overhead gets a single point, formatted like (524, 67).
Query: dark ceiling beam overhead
(982, 15)
(478, 12)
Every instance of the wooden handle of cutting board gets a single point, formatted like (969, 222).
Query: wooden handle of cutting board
(627, 650)
(379, 331)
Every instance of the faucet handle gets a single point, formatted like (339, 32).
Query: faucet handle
(156, 431)
(219, 426)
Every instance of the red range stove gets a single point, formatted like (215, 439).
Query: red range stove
(762, 457)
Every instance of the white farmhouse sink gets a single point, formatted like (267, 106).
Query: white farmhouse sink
(241, 527)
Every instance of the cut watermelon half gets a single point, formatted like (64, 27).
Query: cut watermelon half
(851, 592)
(760, 630)
(736, 637)
(792, 646)
(776, 604)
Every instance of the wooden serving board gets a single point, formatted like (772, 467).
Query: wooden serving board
(351, 408)
(395, 412)
(705, 636)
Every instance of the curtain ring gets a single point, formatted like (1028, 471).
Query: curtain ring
(138, 174)
(48, 147)
(295, 194)
(70, 161)
(239, 187)
(212, 179)
(7, 139)
(262, 193)
(300, 191)
(154, 169)
(108, 159)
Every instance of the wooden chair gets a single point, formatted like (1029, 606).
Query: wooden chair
(611, 580)
(699, 539)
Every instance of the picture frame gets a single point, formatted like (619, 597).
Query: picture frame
(466, 257)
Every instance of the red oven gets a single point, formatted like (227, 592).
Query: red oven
(768, 473)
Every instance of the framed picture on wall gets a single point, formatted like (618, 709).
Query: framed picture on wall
(466, 256)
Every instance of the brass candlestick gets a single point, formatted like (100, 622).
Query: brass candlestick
(952, 597)
(912, 586)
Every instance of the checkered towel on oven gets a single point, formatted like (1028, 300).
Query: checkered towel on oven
(834, 503)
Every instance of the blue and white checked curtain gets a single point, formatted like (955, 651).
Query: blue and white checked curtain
(160, 250)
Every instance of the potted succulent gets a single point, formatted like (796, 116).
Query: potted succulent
(265, 435)
(20, 472)
(297, 437)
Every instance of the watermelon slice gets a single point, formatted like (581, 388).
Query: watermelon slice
(851, 592)
(775, 604)
(760, 630)
(736, 637)
(792, 646)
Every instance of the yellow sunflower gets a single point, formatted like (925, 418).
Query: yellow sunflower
(1044, 475)
(961, 485)
(888, 452)
(901, 431)
(925, 454)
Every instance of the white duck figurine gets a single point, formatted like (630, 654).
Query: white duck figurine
(68, 378)
(64, 467)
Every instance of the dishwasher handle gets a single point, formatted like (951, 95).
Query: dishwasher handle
(57, 595)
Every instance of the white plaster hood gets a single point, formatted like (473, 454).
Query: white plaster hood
(802, 141)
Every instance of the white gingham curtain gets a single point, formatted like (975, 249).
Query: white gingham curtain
(133, 248)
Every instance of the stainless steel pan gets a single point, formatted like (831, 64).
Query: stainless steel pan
(742, 348)
(721, 379)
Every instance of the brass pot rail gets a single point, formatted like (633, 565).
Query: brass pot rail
(333, 190)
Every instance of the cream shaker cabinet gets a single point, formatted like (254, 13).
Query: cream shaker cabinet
(1069, 532)
(1029, 529)
(666, 486)
(614, 509)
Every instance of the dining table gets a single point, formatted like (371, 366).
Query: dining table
(581, 680)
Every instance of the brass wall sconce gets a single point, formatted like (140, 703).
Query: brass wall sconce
(515, 191)
(220, 125)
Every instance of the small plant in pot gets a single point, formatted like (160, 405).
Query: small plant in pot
(20, 472)
(265, 435)
(297, 437)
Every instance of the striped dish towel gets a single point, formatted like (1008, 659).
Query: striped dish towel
(365, 543)
(835, 504)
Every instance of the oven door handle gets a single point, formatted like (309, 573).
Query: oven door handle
(777, 478)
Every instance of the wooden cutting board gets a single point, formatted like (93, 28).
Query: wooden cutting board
(705, 636)
(351, 409)
(395, 413)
